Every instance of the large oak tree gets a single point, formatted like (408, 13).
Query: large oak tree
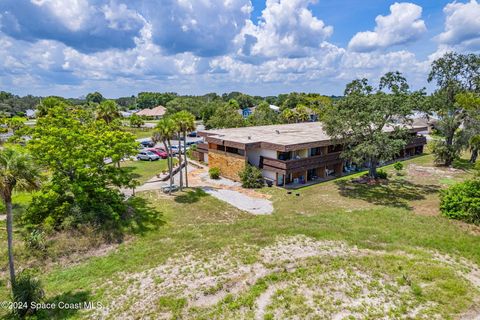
(372, 124)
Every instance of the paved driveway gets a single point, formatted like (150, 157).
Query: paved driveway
(241, 201)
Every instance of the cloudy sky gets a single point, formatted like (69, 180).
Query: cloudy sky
(120, 47)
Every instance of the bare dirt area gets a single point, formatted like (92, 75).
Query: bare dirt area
(296, 277)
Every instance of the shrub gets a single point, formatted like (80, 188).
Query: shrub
(462, 201)
(214, 173)
(26, 291)
(398, 166)
(382, 174)
(35, 240)
(442, 152)
(251, 177)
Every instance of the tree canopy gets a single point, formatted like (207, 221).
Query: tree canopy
(75, 148)
(372, 123)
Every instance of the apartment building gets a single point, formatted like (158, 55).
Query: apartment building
(287, 154)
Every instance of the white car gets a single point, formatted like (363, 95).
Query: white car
(147, 156)
(167, 189)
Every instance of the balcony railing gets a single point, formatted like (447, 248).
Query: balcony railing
(417, 141)
(301, 163)
(202, 147)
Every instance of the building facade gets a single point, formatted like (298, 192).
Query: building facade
(287, 154)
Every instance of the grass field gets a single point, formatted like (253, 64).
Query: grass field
(145, 170)
(336, 250)
(140, 133)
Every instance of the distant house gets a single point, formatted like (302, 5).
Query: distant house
(30, 113)
(248, 111)
(155, 113)
(127, 114)
(275, 108)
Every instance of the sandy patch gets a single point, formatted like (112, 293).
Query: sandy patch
(312, 289)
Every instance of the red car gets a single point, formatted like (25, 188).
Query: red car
(160, 152)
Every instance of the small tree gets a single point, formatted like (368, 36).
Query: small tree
(251, 177)
(136, 121)
(108, 111)
(398, 166)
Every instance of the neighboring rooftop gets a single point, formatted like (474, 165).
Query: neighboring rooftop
(281, 134)
(154, 112)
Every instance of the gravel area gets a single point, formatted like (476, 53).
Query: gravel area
(205, 177)
(242, 201)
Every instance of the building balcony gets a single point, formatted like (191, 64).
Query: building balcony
(416, 142)
(300, 164)
(202, 147)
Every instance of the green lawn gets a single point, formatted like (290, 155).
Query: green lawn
(146, 169)
(140, 133)
(367, 251)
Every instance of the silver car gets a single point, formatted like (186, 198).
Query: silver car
(147, 156)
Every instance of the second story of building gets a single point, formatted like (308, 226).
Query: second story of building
(282, 148)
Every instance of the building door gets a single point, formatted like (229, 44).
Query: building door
(280, 180)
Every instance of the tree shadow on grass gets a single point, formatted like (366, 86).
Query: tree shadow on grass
(141, 216)
(191, 196)
(395, 193)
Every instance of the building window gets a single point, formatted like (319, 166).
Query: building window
(284, 156)
(316, 151)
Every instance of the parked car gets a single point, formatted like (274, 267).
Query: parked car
(147, 156)
(147, 144)
(160, 152)
(193, 134)
(174, 149)
(167, 189)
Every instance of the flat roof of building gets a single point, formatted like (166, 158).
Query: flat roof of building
(281, 134)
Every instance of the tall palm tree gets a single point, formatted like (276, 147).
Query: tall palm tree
(108, 111)
(186, 123)
(164, 131)
(17, 172)
(177, 118)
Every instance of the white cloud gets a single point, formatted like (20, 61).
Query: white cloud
(205, 28)
(72, 13)
(402, 25)
(286, 28)
(462, 25)
(196, 47)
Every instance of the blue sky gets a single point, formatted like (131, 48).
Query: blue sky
(120, 47)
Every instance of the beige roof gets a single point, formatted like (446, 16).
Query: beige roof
(282, 134)
(155, 112)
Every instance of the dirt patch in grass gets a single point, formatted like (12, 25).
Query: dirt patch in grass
(297, 277)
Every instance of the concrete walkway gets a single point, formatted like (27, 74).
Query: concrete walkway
(222, 189)
(241, 201)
